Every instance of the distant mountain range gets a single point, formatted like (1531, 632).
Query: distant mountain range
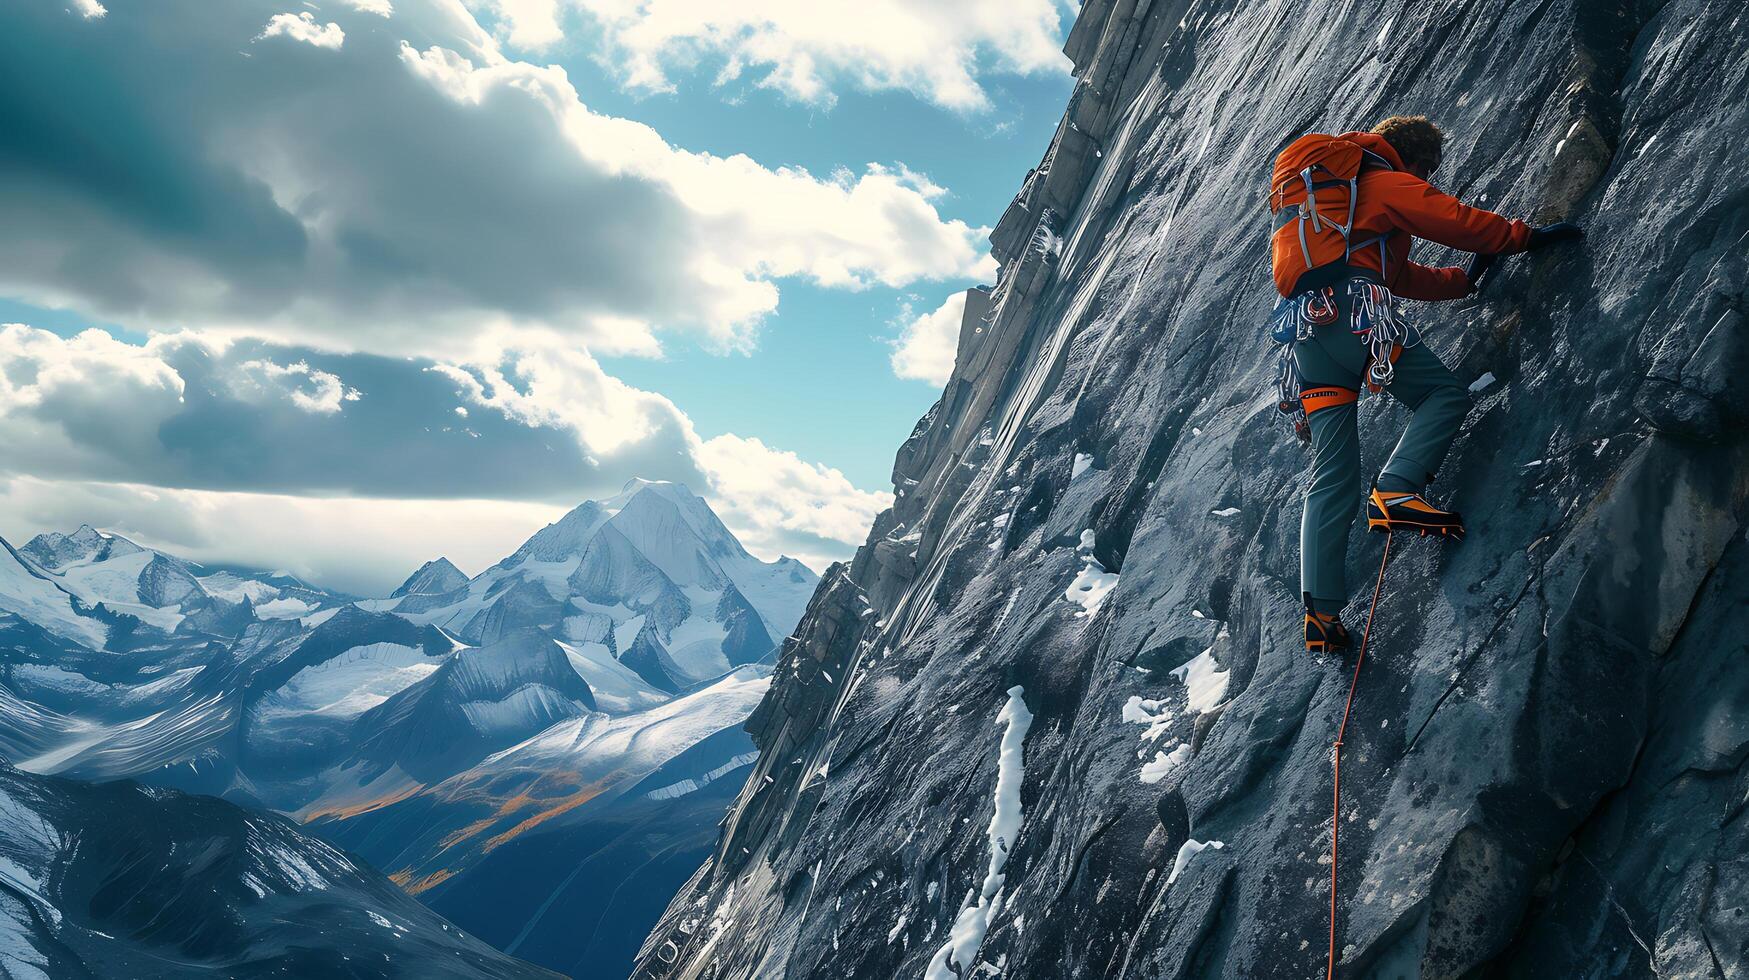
(563, 707)
(103, 592)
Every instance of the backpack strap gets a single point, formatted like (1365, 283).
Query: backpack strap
(1384, 254)
(1309, 209)
(1368, 160)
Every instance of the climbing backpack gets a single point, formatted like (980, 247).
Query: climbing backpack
(1314, 193)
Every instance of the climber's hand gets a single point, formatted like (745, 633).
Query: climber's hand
(1479, 267)
(1563, 231)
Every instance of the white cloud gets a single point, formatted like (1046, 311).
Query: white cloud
(529, 24)
(76, 403)
(776, 502)
(446, 203)
(303, 27)
(357, 544)
(805, 48)
(446, 200)
(367, 545)
(193, 418)
(753, 223)
(926, 348)
(566, 388)
(382, 8)
(323, 393)
(89, 9)
(36, 364)
(767, 496)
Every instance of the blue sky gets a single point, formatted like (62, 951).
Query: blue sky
(831, 347)
(374, 280)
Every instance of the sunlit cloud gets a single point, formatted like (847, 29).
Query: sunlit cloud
(927, 344)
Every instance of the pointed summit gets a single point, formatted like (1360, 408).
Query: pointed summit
(30, 595)
(435, 577)
(652, 559)
(637, 483)
(562, 539)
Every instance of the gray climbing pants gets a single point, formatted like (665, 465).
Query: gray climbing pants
(1336, 357)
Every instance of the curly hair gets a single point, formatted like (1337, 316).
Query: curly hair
(1418, 141)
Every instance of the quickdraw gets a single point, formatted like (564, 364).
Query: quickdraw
(1386, 332)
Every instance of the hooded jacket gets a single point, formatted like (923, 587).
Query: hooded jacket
(1399, 202)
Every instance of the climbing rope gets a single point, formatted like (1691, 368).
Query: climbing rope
(1336, 756)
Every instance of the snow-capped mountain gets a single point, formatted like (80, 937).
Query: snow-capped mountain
(480, 700)
(30, 596)
(433, 578)
(104, 592)
(578, 836)
(630, 638)
(119, 880)
(650, 579)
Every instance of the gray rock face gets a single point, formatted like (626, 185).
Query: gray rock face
(1545, 773)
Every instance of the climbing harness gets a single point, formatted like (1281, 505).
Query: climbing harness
(1293, 320)
(1373, 317)
(1336, 750)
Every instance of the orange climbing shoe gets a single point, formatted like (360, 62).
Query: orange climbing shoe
(1325, 634)
(1401, 511)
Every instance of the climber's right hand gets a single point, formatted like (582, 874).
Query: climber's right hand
(1560, 231)
(1478, 270)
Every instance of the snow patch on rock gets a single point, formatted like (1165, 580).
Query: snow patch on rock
(1092, 584)
(1164, 763)
(1190, 850)
(1204, 680)
(966, 936)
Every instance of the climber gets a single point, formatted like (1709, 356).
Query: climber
(1347, 208)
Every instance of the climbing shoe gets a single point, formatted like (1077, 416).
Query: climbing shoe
(1403, 511)
(1325, 633)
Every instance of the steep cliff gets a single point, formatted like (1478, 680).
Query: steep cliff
(1055, 719)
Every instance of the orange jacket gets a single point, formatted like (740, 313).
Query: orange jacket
(1398, 201)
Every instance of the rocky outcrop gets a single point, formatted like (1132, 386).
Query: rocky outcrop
(1545, 775)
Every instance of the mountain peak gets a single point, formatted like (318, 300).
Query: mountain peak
(638, 483)
(570, 535)
(54, 551)
(564, 538)
(435, 577)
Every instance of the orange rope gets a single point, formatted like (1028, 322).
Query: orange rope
(1336, 758)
